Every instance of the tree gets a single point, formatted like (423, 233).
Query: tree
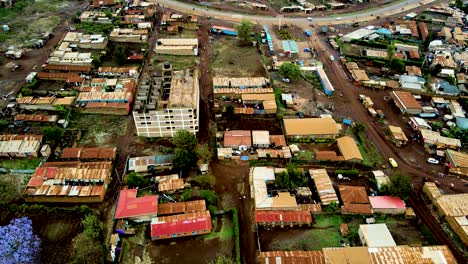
(244, 32)
(295, 174)
(222, 260)
(203, 153)
(229, 110)
(333, 207)
(92, 227)
(206, 180)
(119, 54)
(451, 80)
(184, 139)
(397, 65)
(437, 125)
(358, 128)
(87, 250)
(54, 133)
(400, 185)
(134, 180)
(18, 242)
(210, 196)
(290, 71)
(184, 159)
(3, 123)
(390, 51)
(8, 192)
(283, 181)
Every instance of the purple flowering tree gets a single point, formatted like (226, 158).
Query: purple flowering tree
(18, 243)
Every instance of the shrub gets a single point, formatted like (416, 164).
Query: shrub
(348, 173)
(92, 227)
(210, 196)
(206, 180)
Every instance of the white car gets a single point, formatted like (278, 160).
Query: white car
(309, 18)
(286, 80)
(339, 18)
(432, 161)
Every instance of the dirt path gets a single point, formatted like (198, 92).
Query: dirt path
(232, 184)
(206, 83)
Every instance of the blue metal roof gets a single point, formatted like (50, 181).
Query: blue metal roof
(462, 122)
(383, 31)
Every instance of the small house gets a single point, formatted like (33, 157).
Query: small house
(261, 138)
(349, 149)
(137, 209)
(376, 235)
(406, 102)
(387, 205)
(312, 128)
(237, 139)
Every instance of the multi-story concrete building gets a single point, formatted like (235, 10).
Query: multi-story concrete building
(167, 104)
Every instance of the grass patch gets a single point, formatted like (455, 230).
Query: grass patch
(226, 231)
(178, 62)
(321, 238)
(326, 221)
(99, 128)
(20, 164)
(57, 231)
(277, 4)
(231, 60)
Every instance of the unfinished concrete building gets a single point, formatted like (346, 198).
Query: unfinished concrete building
(167, 103)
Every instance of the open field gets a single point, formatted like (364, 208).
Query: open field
(231, 60)
(45, 14)
(101, 130)
(178, 62)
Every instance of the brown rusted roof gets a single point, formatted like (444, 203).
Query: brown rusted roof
(57, 67)
(292, 257)
(89, 153)
(182, 207)
(327, 155)
(353, 194)
(278, 140)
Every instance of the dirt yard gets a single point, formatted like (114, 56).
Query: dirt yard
(231, 60)
(325, 232)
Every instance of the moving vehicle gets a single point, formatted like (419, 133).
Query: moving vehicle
(432, 161)
(286, 80)
(339, 18)
(332, 58)
(393, 162)
(309, 18)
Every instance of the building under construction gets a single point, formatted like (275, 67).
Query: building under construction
(167, 103)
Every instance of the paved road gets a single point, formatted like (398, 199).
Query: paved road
(384, 11)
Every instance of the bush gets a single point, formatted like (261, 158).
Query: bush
(235, 232)
(92, 227)
(212, 209)
(54, 133)
(332, 207)
(134, 180)
(206, 180)
(210, 197)
(348, 173)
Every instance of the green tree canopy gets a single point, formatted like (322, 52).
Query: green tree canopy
(400, 185)
(92, 227)
(222, 260)
(119, 54)
(87, 250)
(283, 181)
(206, 180)
(290, 71)
(9, 192)
(397, 65)
(183, 139)
(203, 153)
(210, 196)
(184, 159)
(52, 133)
(134, 180)
(244, 32)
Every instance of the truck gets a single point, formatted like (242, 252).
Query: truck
(372, 111)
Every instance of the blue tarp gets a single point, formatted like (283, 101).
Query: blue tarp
(244, 158)
(347, 122)
(462, 122)
(383, 31)
(290, 46)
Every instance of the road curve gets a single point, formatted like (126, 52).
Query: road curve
(387, 10)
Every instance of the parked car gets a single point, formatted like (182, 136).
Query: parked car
(432, 161)
(309, 18)
(393, 162)
(286, 80)
(332, 58)
(339, 18)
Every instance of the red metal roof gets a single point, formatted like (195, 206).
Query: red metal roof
(131, 206)
(386, 202)
(283, 216)
(35, 182)
(135, 57)
(179, 224)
